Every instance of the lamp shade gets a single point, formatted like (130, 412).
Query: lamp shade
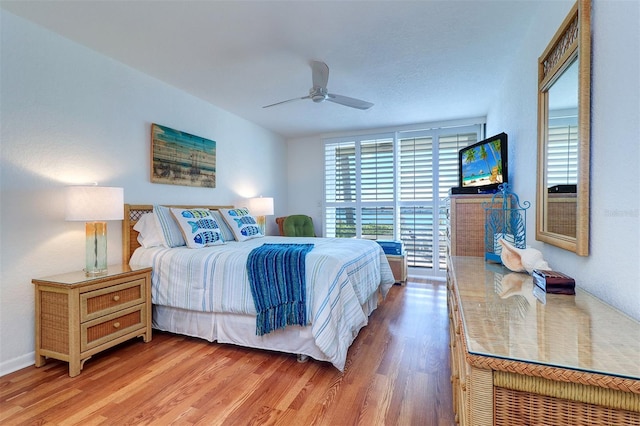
(261, 206)
(94, 203)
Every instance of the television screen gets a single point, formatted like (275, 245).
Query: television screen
(484, 164)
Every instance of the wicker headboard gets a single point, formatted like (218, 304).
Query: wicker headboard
(132, 213)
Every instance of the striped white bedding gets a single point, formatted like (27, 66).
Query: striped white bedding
(341, 277)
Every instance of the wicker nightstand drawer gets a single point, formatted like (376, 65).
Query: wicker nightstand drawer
(94, 304)
(105, 329)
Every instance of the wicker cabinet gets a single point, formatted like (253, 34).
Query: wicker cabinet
(466, 218)
(572, 360)
(78, 316)
(398, 264)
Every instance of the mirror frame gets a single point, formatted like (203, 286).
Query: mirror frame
(571, 41)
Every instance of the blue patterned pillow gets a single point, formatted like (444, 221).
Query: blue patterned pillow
(170, 229)
(198, 227)
(241, 223)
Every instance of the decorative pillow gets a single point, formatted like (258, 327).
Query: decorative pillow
(227, 234)
(149, 232)
(170, 229)
(198, 227)
(241, 223)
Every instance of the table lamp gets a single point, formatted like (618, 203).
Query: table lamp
(95, 205)
(261, 207)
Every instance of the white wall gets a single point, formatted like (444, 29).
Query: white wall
(70, 115)
(612, 269)
(306, 183)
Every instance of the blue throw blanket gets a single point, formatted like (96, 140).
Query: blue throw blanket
(277, 281)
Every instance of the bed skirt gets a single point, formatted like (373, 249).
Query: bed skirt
(240, 330)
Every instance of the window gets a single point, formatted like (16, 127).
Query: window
(391, 186)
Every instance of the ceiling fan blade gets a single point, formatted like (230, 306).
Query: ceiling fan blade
(288, 100)
(319, 74)
(318, 93)
(347, 101)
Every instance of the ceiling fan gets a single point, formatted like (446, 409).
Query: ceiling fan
(319, 93)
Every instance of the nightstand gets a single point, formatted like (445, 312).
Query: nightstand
(398, 265)
(78, 316)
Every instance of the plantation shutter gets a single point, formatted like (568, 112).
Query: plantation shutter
(423, 216)
(377, 187)
(340, 189)
(416, 196)
(562, 155)
(391, 187)
(376, 170)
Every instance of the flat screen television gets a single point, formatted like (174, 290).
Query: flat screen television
(484, 165)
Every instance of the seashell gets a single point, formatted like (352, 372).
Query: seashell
(520, 260)
(511, 284)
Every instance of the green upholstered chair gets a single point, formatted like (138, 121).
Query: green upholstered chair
(298, 225)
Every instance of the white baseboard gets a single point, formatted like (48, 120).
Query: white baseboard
(16, 364)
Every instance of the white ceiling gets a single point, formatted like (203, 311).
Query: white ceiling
(417, 61)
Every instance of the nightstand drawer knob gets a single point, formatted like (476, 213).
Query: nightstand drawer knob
(116, 325)
(116, 298)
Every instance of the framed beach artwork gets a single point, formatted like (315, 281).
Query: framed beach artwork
(179, 158)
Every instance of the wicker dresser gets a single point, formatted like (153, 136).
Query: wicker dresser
(572, 360)
(78, 316)
(466, 217)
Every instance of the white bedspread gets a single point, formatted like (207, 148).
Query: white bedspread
(341, 274)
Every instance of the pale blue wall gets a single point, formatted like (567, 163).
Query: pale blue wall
(69, 116)
(612, 269)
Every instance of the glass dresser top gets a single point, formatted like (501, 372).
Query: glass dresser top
(503, 318)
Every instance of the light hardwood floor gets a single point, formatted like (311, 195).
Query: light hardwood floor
(397, 374)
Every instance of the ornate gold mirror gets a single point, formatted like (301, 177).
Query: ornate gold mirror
(564, 85)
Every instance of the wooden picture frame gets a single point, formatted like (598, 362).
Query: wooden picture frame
(179, 158)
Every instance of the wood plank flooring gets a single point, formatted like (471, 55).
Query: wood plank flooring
(397, 374)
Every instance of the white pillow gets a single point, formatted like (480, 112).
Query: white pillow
(227, 233)
(198, 227)
(241, 223)
(149, 232)
(170, 229)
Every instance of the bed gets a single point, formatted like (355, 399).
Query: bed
(205, 292)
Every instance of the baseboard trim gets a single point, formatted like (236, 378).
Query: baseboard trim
(16, 364)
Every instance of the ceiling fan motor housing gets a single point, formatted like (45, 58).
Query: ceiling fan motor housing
(318, 94)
